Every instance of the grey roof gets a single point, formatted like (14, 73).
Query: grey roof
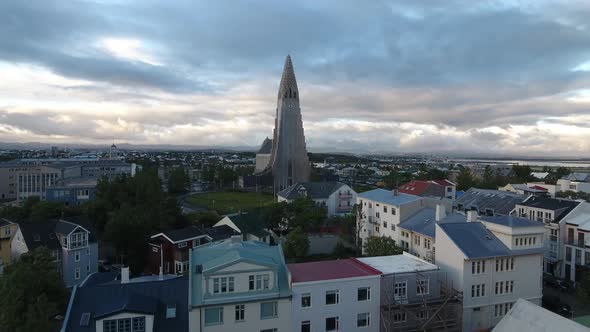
(103, 300)
(251, 222)
(65, 227)
(313, 190)
(387, 197)
(501, 202)
(547, 203)
(474, 240)
(184, 233)
(578, 176)
(423, 221)
(40, 234)
(220, 232)
(265, 147)
(525, 188)
(511, 221)
(5, 222)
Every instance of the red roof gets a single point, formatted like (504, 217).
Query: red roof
(328, 270)
(414, 187)
(539, 188)
(445, 183)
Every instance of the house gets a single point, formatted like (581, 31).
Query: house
(337, 197)
(434, 188)
(550, 211)
(525, 189)
(414, 295)
(7, 230)
(493, 263)
(576, 182)
(72, 192)
(336, 295)
(488, 202)
(235, 284)
(169, 250)
(381, 212)
(248, 224)
(74, 246)
(145, 304)
(576, 240)
(527, 316)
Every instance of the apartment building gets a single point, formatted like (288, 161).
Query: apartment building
(337, 295)
(576, 182)
(238, 285)
(576, 239)
(415, 295)
(550, 211)
(337, 197)
(381, 212)
(493, 262)
(430, 188)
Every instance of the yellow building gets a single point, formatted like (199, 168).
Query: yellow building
(7, 231)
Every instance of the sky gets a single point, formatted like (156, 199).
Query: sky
(481, 77)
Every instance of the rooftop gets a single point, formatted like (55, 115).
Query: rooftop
(330, 270)
(526, 316)
(313, 190)
(265, 147)
(387, 197)
(415, 187)
(182, 234)
(511, 221)
(474, 240)
(404, 263)
(423, 221)
(500, 202)
(560, 206)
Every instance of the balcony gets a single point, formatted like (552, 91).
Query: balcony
(374, 220)
(578, 243)
(344, 195)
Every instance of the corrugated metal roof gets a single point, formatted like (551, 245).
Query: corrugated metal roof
(387, 197)
(474, 240)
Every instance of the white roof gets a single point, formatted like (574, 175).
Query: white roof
(526, 316)
(398, 263)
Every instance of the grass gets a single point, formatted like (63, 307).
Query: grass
(225, 202)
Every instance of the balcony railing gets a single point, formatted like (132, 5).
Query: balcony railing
(578, 243)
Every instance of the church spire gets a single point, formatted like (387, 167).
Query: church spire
(288, 86)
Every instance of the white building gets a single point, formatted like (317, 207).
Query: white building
(576, 182)
(494, 263)
(338, 295)
(237, 285)
(576, 240)
(337, 197)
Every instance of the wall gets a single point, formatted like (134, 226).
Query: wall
(88, 263)
(5, 241)
(346, 310)
(17, 246)
(149, 320)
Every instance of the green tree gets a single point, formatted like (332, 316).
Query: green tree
(489, 179)
(296, 245)
(178, 181)
(522, 173)
(31, 291)
(204, 218)
(381, 246)
(583, 289)
(465, 179)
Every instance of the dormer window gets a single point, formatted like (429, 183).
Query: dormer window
(171, 311)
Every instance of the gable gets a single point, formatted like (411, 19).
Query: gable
(241, 266)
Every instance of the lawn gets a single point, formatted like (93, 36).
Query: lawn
(225, 202)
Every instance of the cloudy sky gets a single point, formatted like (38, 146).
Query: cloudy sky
(509, 77)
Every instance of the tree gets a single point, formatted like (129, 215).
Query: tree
(204, 218)
(296, 244)
(465, 179)
(381, 246)
(522, 173)
(178, 181)
(31, 291)
(583, 289)
(489, 179)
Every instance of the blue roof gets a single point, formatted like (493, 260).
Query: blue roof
(474, 240)
(423, 221)
(387, 197)
(511, 221)
(215, 255)
(152, 298)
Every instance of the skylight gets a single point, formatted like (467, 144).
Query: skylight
(171, 311)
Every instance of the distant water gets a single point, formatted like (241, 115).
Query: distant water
(532, 162)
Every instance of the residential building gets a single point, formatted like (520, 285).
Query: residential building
(493, 266)
(432, 188)
(527, 316)
(235, 284)
(337, 197)
(550, 211)
(576, 182)
(414, 295)
(525, 189)
(249, 225)
(72, 192)
(488, 202)
(74, 246)
(145, 304)
(576, 239)
(381, 212)
(337, 295)
(7, 231)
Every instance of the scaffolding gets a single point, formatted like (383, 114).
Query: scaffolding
(439, 308)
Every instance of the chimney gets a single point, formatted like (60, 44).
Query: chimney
(125, 275)
(471, 216)
(395, 192)
(440, 213)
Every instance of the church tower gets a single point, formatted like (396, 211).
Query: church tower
(288, 161)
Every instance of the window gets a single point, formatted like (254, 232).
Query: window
(306, 326)
(478, 290)
(124, 325)
(478, 267)
(332, 297)
(332, 324)
(385, 224)
(77, 256)
(77, 273)
(568, 254)
(171, 311)
(259, 282)
(502, 309)
(182, 244)
(427, 243)
(363, 320)
(400, 290)
(422, 314)
(384, 209)
(109, 325)
(422, 287)
(509, 287)
(268, 310)
(393, 211)
(505, 264)
(416, 240)
(270, 330)
(214, 316)
(240, 309)
(363, 294)
(399, 317)
(306, 300)
(139, 324)
(223, 285)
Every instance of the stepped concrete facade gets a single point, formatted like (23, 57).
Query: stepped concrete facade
(287, 161)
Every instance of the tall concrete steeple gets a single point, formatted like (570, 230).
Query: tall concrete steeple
(289, 161)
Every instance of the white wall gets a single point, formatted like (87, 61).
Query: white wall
(17, 246)
(346, 310)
